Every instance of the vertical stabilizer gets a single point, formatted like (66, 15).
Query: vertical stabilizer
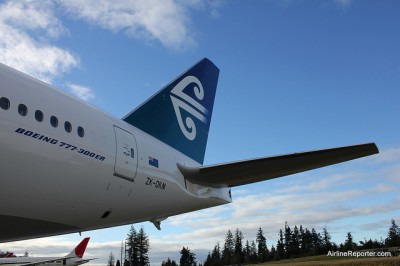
(180, 113)
(80, 249)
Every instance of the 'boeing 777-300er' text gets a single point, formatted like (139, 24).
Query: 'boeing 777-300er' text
(66, 166)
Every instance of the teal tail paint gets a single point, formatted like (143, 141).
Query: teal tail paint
(180, 113)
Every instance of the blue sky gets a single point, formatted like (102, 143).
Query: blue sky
(295, 76)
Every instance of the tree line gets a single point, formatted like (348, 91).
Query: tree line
(137, 247)
(292, 243)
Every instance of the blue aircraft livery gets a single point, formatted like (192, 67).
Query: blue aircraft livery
(180, 113)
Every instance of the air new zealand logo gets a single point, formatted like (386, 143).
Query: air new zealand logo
(181, 100)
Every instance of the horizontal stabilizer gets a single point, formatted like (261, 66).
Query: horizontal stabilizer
(256, 170)
(86, 260)
(48, 261)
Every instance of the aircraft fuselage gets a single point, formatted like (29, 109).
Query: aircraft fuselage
(67, 167)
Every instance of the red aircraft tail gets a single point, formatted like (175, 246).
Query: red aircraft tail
(80, 248)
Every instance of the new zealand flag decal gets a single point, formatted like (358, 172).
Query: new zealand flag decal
(153, 162)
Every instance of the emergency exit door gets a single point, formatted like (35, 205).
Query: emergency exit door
(126, 157)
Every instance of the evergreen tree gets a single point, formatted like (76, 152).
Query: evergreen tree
(302, 241)
(288, 241)
(143, 246)
(247, 252)
(348, 243)
(295, 242)
(253, 252)
(280, 247)
(214, 258)
(326, 240)
(187, 258)
(216, 255)
(238, 251)
(262, 246)
(393, 238)
(335, 247)
(132, 248)
(208, 261)
(369, 244)
(272, 252)
(137, 248)
(229, 247)
(307, 242)
(316, 240)
(169, 263)
(377, 244)
(111, 260)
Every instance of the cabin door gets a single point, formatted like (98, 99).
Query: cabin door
(126, 158)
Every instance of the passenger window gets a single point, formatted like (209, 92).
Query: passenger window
(81, 132)
(67, 126)
(22, 109)
(4, 103)
(54, 121)
(39, 116)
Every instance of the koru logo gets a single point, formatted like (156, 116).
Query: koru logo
(190, 105)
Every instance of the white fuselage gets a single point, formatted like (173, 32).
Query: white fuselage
(52, 261)
(56, 180)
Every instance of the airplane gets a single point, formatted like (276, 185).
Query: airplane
(74, 258)
(6, 254)
(67, 167)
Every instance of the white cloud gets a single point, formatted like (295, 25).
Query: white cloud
(388, 155)
(164, 21)
(25, 30)
(32, 15)
(82, 92)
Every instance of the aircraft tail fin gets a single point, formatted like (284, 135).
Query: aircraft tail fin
(79, 250)
(180, 113)
(9, 255)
